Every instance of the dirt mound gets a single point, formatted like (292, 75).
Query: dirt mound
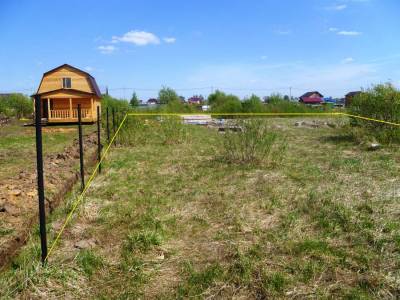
(18, 194)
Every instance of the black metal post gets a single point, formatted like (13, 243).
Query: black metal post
(98, 138)
(108, 127)
(81, 147)
(113, 123)
(40, 181)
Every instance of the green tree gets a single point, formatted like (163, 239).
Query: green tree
(134, 100)
(16, 105)
(166, 95)
(215, 97)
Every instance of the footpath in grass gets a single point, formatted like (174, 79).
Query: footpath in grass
(171, 218)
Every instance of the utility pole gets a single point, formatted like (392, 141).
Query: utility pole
(290, 93)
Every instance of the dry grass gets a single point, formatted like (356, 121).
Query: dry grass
(170, 221)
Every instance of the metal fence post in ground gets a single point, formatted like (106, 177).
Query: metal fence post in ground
(113, 123)
(40, 181)
(108, 127)
(81, 147)
(98, 138)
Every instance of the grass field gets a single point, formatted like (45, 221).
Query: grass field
(170, 218)
(17, 145)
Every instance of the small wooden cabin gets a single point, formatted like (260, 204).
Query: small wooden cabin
(62, 89)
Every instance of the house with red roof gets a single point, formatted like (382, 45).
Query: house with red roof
(312, 98)
(196, 100)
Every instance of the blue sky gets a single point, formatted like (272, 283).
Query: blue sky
(240, 46)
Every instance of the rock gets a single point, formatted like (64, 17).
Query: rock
(298, 124)
(160, 256)
(374, 146)
(12, 210)
(15, 192)
(85, 244)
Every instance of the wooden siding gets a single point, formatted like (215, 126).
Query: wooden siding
(53, 81)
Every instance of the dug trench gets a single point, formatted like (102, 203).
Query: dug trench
(18, 194)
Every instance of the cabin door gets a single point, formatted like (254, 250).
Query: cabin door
(45, 106)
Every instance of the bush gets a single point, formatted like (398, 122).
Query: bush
(253, 105)
(382, 102)
(222, 103)
(113, 103)
(255, 143)
(173, 131)
(16, 105)
(166, 130)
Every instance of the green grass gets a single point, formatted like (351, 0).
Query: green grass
(172, 220)
(17, 143)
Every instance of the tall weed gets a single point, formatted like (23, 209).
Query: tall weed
(255, 143)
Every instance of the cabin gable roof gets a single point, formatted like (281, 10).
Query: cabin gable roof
(87, 82)
(310, 94)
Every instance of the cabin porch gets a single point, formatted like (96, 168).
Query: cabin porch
(65, 110)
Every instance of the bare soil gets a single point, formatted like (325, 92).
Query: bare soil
(18, 194)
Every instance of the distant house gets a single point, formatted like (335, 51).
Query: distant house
(312, 98)
(152, 101)
(349, 97)
(196, 100)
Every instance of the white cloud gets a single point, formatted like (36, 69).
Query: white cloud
(108, 49)
(264, 57)
(337, 7)
(89, 69)
(139, 38)
(349, 33)
(169, 40)
(348, 60)
(333, 29)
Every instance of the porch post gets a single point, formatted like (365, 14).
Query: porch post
(48, 109)
(70, 108)
(91, 107)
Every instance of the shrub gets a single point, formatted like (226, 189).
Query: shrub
(172, 131)
(382, 102)
(255, 143)
(222, 103)
(253, 105)
(166, 130)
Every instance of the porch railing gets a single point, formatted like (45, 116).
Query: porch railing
(66, 114)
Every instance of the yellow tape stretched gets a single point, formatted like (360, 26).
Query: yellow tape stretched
(80, 197)
(370, 119)
(234, 114)
(265, 114)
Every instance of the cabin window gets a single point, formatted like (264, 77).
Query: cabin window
(66, 82)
